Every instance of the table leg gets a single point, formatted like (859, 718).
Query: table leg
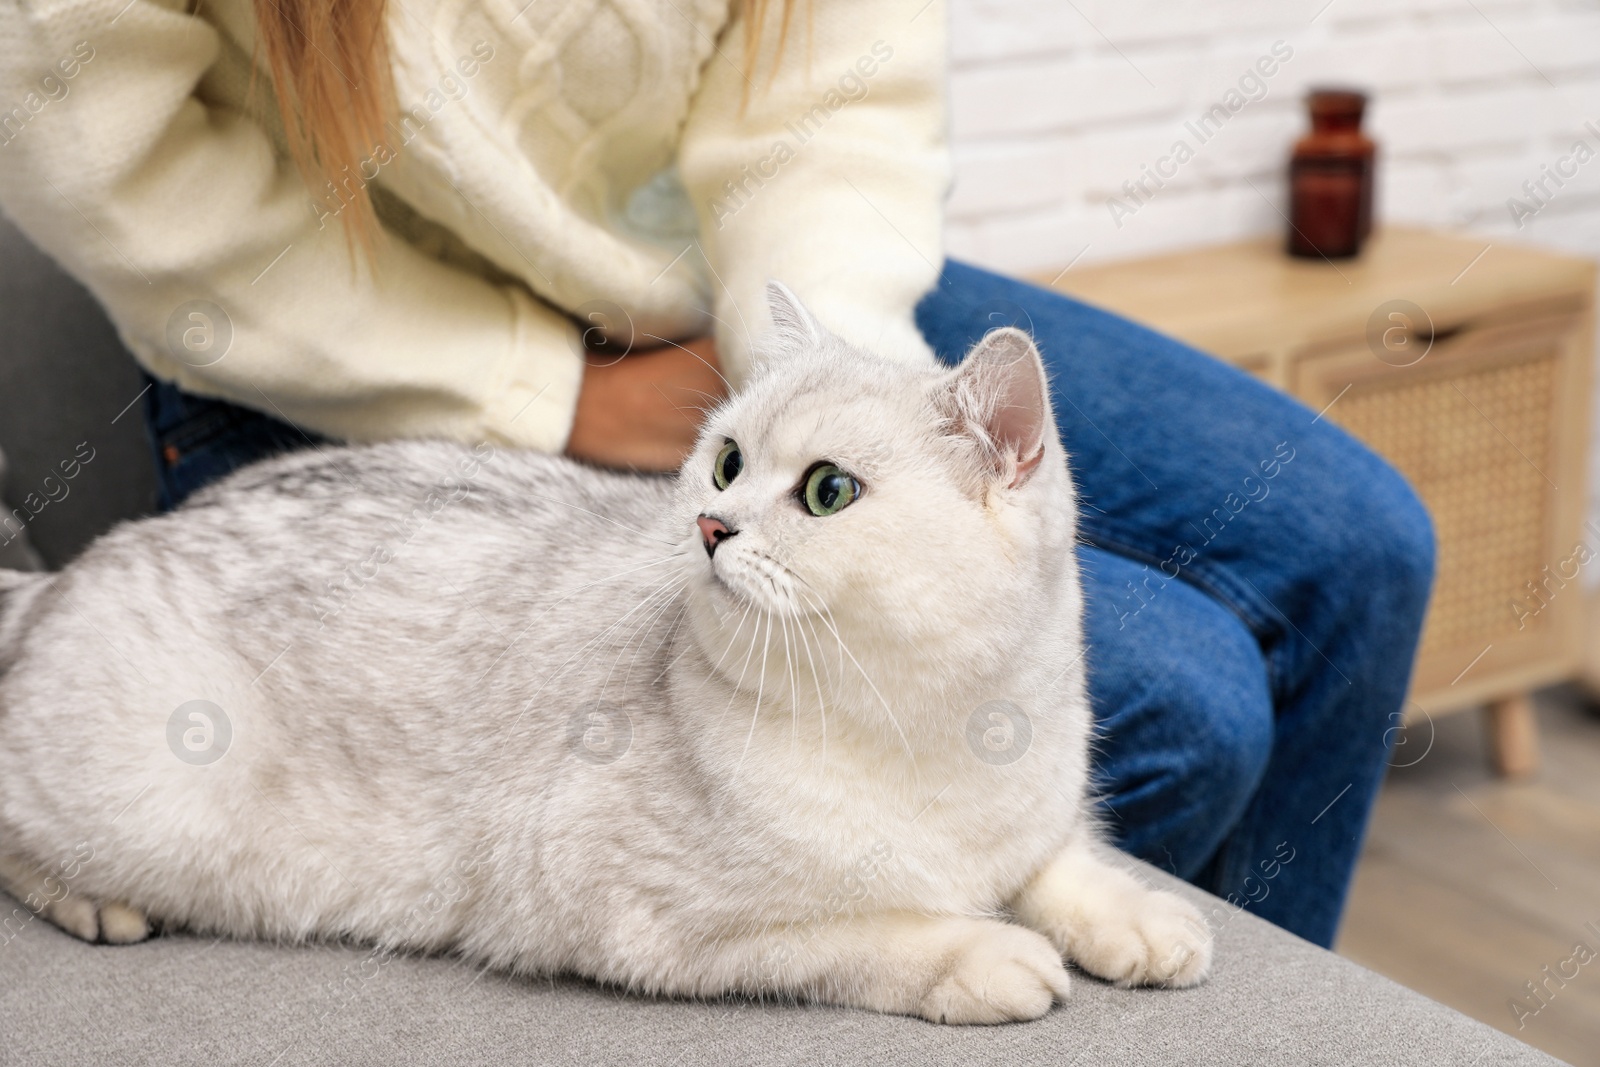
(1513, 736)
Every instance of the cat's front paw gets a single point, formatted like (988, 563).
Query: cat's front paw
(1002, 974)
(109, 921)
(1146, 938)
(83, 917)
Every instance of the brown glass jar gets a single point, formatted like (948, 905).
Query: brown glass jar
(1331, 178)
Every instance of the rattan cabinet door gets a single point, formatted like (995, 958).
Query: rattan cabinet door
(1487, 424)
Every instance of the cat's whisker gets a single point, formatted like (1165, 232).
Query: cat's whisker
(688, 646)
(827, 668)
(816, 613)
(663, 584)
(667, 596)
(739, 685)
(749, 341)
(666, 638)
(794, 701)
(674, 587)
(761, 688)
(681, 410)
(783, 592)
(822, 705)
(895, 722)
(713, 399)
(725, 322)
(825, 613)
(714, 369)
(660, 598)
(560, 600)
(582, 649)
(832, 623)
(737, 630)
(607, 518)
(666, 586)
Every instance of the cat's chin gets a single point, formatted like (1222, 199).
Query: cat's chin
(735, 592)
(732, 592)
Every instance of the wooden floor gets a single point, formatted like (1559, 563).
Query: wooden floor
(1469, 886)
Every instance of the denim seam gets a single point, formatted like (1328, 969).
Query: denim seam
(1213, 581)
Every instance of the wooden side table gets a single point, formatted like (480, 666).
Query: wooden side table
(1467, 365)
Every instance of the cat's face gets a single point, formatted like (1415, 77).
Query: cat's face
(915, 515)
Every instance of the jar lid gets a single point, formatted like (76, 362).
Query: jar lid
(1331, 102)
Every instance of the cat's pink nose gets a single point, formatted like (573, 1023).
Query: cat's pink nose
(713, 531)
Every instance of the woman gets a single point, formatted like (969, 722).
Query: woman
(549, 225)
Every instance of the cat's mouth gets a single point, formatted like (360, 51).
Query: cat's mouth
(756, 580)
(735, 588)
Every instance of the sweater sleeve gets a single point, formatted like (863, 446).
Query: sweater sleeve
(830, 176)
(207, 251)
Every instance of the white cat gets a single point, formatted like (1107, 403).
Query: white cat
(808, 720)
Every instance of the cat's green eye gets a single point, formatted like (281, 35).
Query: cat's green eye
(828, 490)
(727, 466)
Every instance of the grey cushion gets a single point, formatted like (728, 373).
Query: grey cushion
(1272, 999)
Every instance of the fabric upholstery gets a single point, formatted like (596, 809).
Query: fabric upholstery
(1273, 999)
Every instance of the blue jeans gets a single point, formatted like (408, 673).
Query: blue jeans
(198, 440)
(1255, 578)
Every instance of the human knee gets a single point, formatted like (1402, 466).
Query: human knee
(1379, 531)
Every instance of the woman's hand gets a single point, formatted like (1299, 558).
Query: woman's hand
(642, 410)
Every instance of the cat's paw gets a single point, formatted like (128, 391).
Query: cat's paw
(110, 921)
(1003, 973)
(83, 917)
(1146, 938)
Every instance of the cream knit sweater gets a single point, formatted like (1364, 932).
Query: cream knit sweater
(552, 158)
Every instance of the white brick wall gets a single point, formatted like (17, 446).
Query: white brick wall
(1055, 103)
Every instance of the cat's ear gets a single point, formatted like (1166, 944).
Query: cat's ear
(794, 324)
(1001, 396)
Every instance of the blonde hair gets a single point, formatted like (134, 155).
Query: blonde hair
(755, 13)
(330, 68)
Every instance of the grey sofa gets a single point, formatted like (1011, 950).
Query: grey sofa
(65, 380)
(180, 1000)
(1273, 999)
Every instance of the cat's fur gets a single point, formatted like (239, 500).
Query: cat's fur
(502, 704)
